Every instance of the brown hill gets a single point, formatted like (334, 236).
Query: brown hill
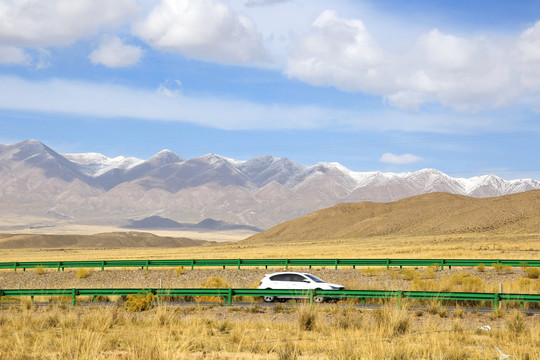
(104, 240)
(429, 214)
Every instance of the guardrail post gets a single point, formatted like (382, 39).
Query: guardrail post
(73, 293)
(496, 298)
(387, 263)
(103, 266)
(286, 264)
(15, 266)
(229, 297)
(336, 264)
(311, 296)
(59, 266)
(192, 263)
(32, 298)
(400, 295)
(239, 262)
(442, 264)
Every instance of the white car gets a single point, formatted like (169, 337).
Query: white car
(295, 281)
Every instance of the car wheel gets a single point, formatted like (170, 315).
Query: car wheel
(269, 298)
(318, 299)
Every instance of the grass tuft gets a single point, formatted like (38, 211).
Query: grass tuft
(139, 302)
(83, 273)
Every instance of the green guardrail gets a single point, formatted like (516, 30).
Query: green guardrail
(283, 263)
(228, 294)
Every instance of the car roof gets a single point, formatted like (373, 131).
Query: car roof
(286, 272)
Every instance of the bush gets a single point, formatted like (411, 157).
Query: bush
(516, 323)
(307, 317)
(83, 273)
(179, 270)
(39, 270)
(497, 267)
(480, 267)
(215, 282)
(532, 272)
(139, 302)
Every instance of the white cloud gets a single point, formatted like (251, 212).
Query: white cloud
(399, 159)
(44, 59)
(169, 104)
(252, 3)
(458, 72)
(203, 29)
(338, 52)
(13, 55)
(29, 23)
(112, 52)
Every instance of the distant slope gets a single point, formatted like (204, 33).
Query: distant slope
(104, 240)
(429, 214)
(158, 222)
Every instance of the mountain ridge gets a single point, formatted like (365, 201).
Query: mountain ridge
(261, 192)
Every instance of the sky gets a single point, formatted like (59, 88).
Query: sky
(386, 85)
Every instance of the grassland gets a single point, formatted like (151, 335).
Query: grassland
(255, 332)
(432, 226)
(495, 246)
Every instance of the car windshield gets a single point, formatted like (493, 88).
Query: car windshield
(314, 278)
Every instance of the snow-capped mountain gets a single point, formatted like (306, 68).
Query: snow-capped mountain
(95, 164)
(262, 191)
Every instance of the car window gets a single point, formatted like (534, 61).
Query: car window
(281, 277)
(314, 278)
(295, 277)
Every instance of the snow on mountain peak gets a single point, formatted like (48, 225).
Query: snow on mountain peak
(95, 164)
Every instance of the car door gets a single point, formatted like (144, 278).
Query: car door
(299, 282)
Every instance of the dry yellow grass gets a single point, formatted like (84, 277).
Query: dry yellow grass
(512, 246)
(254, 332)
(429, 214)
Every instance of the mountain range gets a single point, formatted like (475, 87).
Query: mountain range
(262, 192)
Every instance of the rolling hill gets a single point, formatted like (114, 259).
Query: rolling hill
(105, 240)
(429, 214)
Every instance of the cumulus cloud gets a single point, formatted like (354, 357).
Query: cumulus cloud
(30, 23)
(338, 52)
(202, 29)
(390, 158)
(13, 55)
(458, 72)
(112, 52)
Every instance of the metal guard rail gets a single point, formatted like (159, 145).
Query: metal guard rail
(228, 294)
(286, 263)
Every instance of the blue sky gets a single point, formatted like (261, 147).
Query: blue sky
(374, 85)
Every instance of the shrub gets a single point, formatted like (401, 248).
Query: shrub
(532, 272)
(516, 323)
(39, 270)
(480, 267)
(179, 270)
(497, 267)
(83, 273)
(215, 282)
(410, 274)
(139, 302)
(307, 317)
